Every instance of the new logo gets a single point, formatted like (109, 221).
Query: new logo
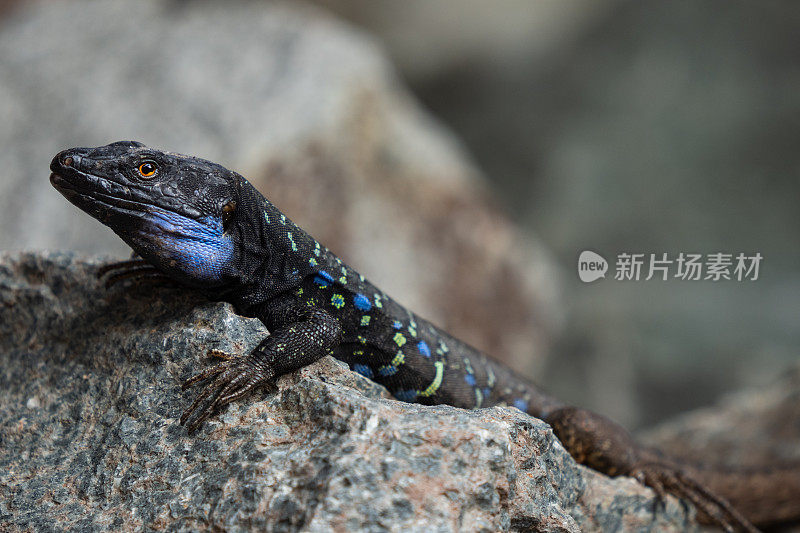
(591, 266)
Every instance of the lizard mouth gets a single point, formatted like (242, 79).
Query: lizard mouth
(60, 183)
(91, 200)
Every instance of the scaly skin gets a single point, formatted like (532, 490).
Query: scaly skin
(197, 223)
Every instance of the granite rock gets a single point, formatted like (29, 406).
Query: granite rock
(89, 437)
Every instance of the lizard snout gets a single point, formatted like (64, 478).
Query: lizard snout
(68, 159)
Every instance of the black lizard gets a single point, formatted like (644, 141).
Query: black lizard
(206, 227)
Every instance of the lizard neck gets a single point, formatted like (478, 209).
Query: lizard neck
(273, 253)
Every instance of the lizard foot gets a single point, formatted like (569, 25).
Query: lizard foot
(233, 378)
(665, 478)
(607, 447)
(138, 269)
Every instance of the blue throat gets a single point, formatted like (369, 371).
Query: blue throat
(199, 248)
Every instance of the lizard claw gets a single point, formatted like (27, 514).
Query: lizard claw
(136, 269)
(234, 377)
(121, 265)
(663, 478)
(219, 354)
(646, 478)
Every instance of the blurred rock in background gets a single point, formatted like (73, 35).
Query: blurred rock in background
(304, 106)
(751, 427)
(631, 127)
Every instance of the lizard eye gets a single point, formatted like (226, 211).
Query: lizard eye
(227, 213)
(147, 169)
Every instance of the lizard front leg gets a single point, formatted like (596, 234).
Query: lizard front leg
(304, 335)
(607, 447)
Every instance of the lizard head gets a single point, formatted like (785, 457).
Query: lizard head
(177, 212)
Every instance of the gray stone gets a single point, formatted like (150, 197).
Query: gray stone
(89, 436)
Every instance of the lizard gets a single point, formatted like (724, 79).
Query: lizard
(201, 225)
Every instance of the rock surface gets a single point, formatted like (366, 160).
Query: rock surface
(89, 437)
(305, 107)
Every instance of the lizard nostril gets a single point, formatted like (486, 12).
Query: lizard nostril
(67, 161)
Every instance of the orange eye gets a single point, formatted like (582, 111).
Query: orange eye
(148, 169)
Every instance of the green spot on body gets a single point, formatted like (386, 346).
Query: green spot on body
(365, 320)
(291, 241)
(478, 398)
(399, 339)
(312, 261)
(337, 300)
(343, 280)
(468, 366)
(437, 380)
(399, 358)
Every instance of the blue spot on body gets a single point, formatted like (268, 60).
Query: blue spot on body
(362, 302)
(521, 404)
(364, 370)
(397, 324)
(423, 348)
(470, 379)
(387, 370)
(406, 395)
(323, 279)
(486, 392)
